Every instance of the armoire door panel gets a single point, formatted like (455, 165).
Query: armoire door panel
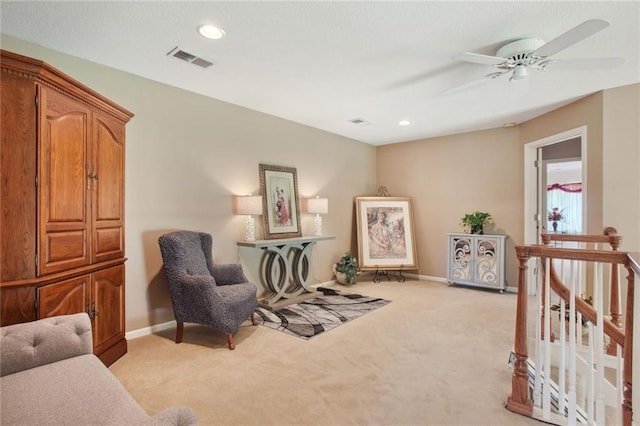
(108, 300)
(62, 184)
(63, 298)
(108, 197)
(109, 242)
(66, 141)
(65, 249)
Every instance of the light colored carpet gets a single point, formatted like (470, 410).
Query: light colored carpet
(436, 355)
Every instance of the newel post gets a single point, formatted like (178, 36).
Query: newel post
(627, 408)
(520, 401)
(614, 299)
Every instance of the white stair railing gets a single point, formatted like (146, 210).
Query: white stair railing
(575, 376)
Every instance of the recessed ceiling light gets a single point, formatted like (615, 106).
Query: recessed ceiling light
(404, 123)
(210, 31)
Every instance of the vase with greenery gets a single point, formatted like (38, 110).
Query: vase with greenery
(475, 222)
(347, 269)
(557, 307)
(554, 216)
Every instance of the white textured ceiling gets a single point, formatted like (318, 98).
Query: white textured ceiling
(325, 63)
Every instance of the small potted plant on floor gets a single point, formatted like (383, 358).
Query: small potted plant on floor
(475, 222)
(346, 270)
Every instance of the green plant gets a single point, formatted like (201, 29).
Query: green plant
(557, 307)
(348, 265)
(475, 222)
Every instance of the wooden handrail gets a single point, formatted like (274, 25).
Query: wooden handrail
(634, 262)
(618, 257)
(520, 399)
(585, 309)
(609, 235)
(633, 269)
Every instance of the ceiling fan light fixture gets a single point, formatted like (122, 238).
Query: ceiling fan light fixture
(519, 72)
(210, 31)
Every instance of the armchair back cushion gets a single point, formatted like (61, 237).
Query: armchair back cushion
(187, 254)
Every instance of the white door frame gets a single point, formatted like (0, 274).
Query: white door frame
(531, 181)
(530, 178)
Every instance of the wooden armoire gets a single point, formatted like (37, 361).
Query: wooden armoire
(62, 242)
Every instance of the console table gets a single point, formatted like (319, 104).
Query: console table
(477, 260)
(286, 264)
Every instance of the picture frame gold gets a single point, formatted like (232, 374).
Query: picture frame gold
(386, 238)
(280, 201)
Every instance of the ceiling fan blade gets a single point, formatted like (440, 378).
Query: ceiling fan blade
(571, 37)
(583, 64)
(477, 82)
(477, 58)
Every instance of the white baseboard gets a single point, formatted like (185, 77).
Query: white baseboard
(427, 278)
(149, 330)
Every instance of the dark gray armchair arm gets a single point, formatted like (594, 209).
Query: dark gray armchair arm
(198, 280)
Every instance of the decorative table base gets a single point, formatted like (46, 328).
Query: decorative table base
(286, 264)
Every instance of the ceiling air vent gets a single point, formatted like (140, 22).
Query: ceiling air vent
(360, 122)
(188, 57)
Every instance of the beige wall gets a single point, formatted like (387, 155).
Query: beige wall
(187, 155)
(612, 119)
(584, 112)
(449, 176)
(452, 175)
(620, 160)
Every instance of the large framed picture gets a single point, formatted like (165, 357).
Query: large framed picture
(385, 233)
(280, 201)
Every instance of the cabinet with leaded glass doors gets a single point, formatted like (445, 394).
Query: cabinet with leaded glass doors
(477, 260)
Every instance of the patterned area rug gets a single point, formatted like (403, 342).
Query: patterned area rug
(323, 313)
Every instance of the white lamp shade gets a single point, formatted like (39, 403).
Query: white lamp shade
(250, 205)
(318, 205)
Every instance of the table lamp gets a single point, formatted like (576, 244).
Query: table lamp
(317, 206)
(249, 205)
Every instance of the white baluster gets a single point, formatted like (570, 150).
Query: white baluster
(590, 396)
(572, 416)
(546, 386)
(619, 383)
(599, 343)
(561, 361)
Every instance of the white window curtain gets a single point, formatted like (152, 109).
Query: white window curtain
(567, 198)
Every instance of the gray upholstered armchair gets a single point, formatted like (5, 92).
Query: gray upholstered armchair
(202, 292)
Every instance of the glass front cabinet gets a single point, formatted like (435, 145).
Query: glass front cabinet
(477, 260)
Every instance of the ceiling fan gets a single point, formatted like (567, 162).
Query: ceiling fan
(517, 57)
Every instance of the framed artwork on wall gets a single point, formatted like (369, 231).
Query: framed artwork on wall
(280, 201)
(386, 237)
